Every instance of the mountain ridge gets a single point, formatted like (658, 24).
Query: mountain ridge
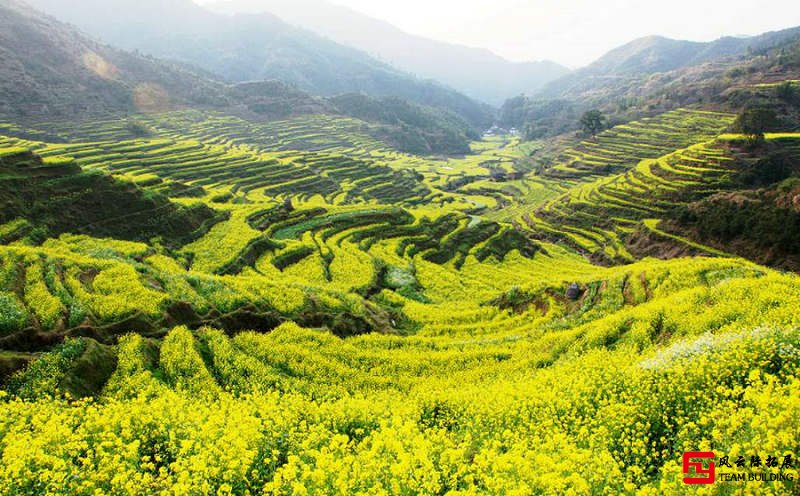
(477, 72)
(657, 54)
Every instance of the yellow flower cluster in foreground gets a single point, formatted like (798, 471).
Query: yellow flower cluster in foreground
(504, 387)
(211, 417)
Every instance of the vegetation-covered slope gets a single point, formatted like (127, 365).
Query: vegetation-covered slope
(644, 57)
(54, 196)
(757, 215)
(49, 70)
(334, 315)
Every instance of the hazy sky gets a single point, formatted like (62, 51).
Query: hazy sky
(575, 32)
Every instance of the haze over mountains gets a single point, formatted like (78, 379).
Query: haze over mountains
(654, 74)
(293, 59)
(476, 72)
(327, 50)
(253, 47)
(52, 72)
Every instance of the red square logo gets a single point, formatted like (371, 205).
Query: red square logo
(701, 474)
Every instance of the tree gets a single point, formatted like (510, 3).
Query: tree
(592, 122)
(138, 129)
(512, 114)
(787, 92)
(754, 122)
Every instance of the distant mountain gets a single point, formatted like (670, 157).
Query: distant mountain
(476, 72)
(251, 47)
(655, 54)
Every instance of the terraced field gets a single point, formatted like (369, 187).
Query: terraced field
(612, 152)
(231, 165)
(343, 318)
(311, 133)
(296, 196)
(622, 147)
(597, 216)
(522, 365)
(187, 168)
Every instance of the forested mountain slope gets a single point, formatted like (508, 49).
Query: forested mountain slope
(49, 70)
